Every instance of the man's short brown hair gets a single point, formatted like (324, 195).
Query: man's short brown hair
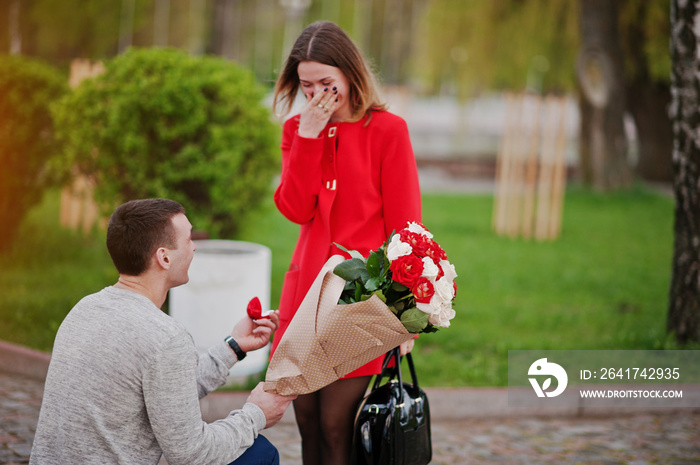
(137, 229)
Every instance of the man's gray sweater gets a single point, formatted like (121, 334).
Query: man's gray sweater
(124, 385)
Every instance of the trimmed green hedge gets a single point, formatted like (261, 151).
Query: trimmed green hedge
(161, 123)
(27, 88)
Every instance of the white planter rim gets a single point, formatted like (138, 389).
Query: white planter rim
(230, 247)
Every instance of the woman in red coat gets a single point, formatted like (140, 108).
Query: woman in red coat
(348, 177)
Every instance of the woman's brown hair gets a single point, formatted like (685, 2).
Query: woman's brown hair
(326, 43)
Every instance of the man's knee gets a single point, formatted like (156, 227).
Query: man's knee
(262, 452)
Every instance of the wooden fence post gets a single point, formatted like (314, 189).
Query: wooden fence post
(530, 168)
(78, 209)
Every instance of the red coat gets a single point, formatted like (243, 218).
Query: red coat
(353, 185)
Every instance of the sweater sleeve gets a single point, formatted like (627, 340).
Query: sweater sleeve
(170, 390)
(213, 368)
(297, 194)
(399, 179)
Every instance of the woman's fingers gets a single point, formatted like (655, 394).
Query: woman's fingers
(317, 112)
(327, 101)
(318, 103)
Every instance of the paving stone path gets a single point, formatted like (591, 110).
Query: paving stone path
(20, 400)
(643, 439)
(630, 440)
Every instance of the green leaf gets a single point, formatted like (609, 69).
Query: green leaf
(414, 320)
(350, 270)
(373, 283)
(364, 276)
(385, 265)
(358, 294)
(399, 287)
(380, 294)
(374, 265)
(348, 294)
(352, 253)
(431, 329)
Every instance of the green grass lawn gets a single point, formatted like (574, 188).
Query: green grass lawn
(45, 273)
(602, 285)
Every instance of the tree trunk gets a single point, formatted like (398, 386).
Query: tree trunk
(161, 23)
(15, 30)
(648, 103)
(684, 305)
(217, 21)
(603, 142)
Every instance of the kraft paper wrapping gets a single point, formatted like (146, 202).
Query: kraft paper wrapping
(326, 341)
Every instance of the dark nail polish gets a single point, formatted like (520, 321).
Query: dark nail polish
(336, 99)
(335, 88)
(326, 89)
(335, 92)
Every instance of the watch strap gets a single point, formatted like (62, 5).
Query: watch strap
(235, 347)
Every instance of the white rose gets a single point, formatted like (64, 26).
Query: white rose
(449, 270)
(444, 290)
(425, 308)
(416, 228)
(442, 318)
(437, 304)
(397, 249)
(430, 269)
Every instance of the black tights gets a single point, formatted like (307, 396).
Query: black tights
(325, 419)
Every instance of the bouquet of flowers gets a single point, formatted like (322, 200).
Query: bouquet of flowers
(349, 315)
(410, 273)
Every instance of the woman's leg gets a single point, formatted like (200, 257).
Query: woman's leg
(338, 406)
(306, 411)
(262, 452)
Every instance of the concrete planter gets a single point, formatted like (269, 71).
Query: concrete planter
(224, 276)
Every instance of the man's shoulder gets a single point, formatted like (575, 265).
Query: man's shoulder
(124, 309)
(117, 322)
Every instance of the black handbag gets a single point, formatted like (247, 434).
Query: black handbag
(392, 425)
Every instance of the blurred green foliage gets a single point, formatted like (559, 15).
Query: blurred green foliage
(469, 47)
(27, 87)
(160, 123)
(499, 44)
(61, 30)
(45, 272)
(453, 47)
(646, 27)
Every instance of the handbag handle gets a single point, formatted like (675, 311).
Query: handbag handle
(395, 354)
(412, 368)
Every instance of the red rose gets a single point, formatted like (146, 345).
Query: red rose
(406, 269)
(418, 242)
(423, 290)
(434, 251)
